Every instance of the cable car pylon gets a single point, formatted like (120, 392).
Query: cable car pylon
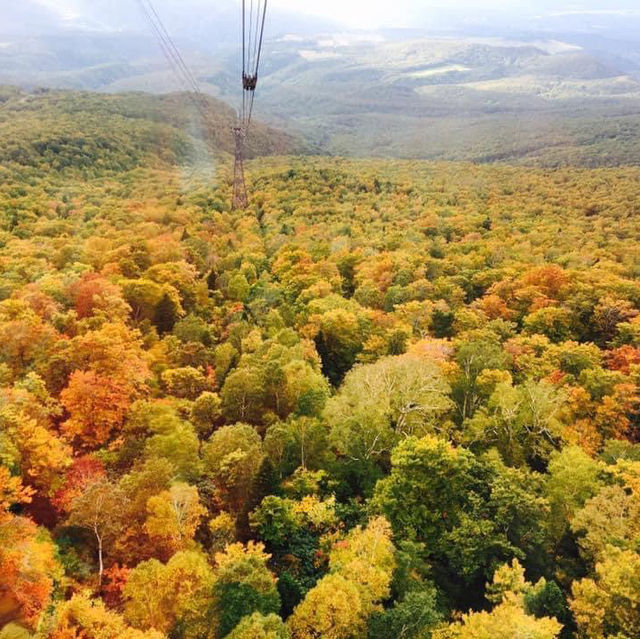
(254, 13)
(240, 199)
(253, 20)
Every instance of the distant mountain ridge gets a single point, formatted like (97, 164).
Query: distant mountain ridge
(562, 89)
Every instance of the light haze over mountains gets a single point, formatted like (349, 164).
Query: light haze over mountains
(411, 78)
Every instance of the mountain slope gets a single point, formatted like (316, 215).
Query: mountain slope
(449, 98)
(62, 129)
(555, 83)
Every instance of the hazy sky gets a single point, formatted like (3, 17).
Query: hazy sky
(404, 13)
(360, 13)
(370, 13)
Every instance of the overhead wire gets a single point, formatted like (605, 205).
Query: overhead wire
(167, 50)
(259, 46)
(249, 48)
(192, 81)
(176, 61)
(163, 45)
(261, 24)
(252, 41)
(252, 36)
(244, 60)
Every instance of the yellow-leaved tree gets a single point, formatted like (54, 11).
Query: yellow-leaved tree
(361, 567)
(509, 618)
(608, 605)
(173, 517)
(81, 616)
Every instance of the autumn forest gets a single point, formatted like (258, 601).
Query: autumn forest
(390, 399)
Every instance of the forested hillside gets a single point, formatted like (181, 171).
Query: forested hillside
(540, 102)
(390, 399)
(58, 130)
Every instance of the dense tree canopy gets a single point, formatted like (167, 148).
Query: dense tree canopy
(389, 399)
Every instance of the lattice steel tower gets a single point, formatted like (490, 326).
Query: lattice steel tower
(240, 199)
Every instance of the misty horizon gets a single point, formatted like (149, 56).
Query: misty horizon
(355, 14)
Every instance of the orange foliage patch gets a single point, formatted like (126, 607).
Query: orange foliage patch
(97, 406)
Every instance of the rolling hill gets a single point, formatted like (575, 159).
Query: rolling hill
(558, 87)
(66, 129)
